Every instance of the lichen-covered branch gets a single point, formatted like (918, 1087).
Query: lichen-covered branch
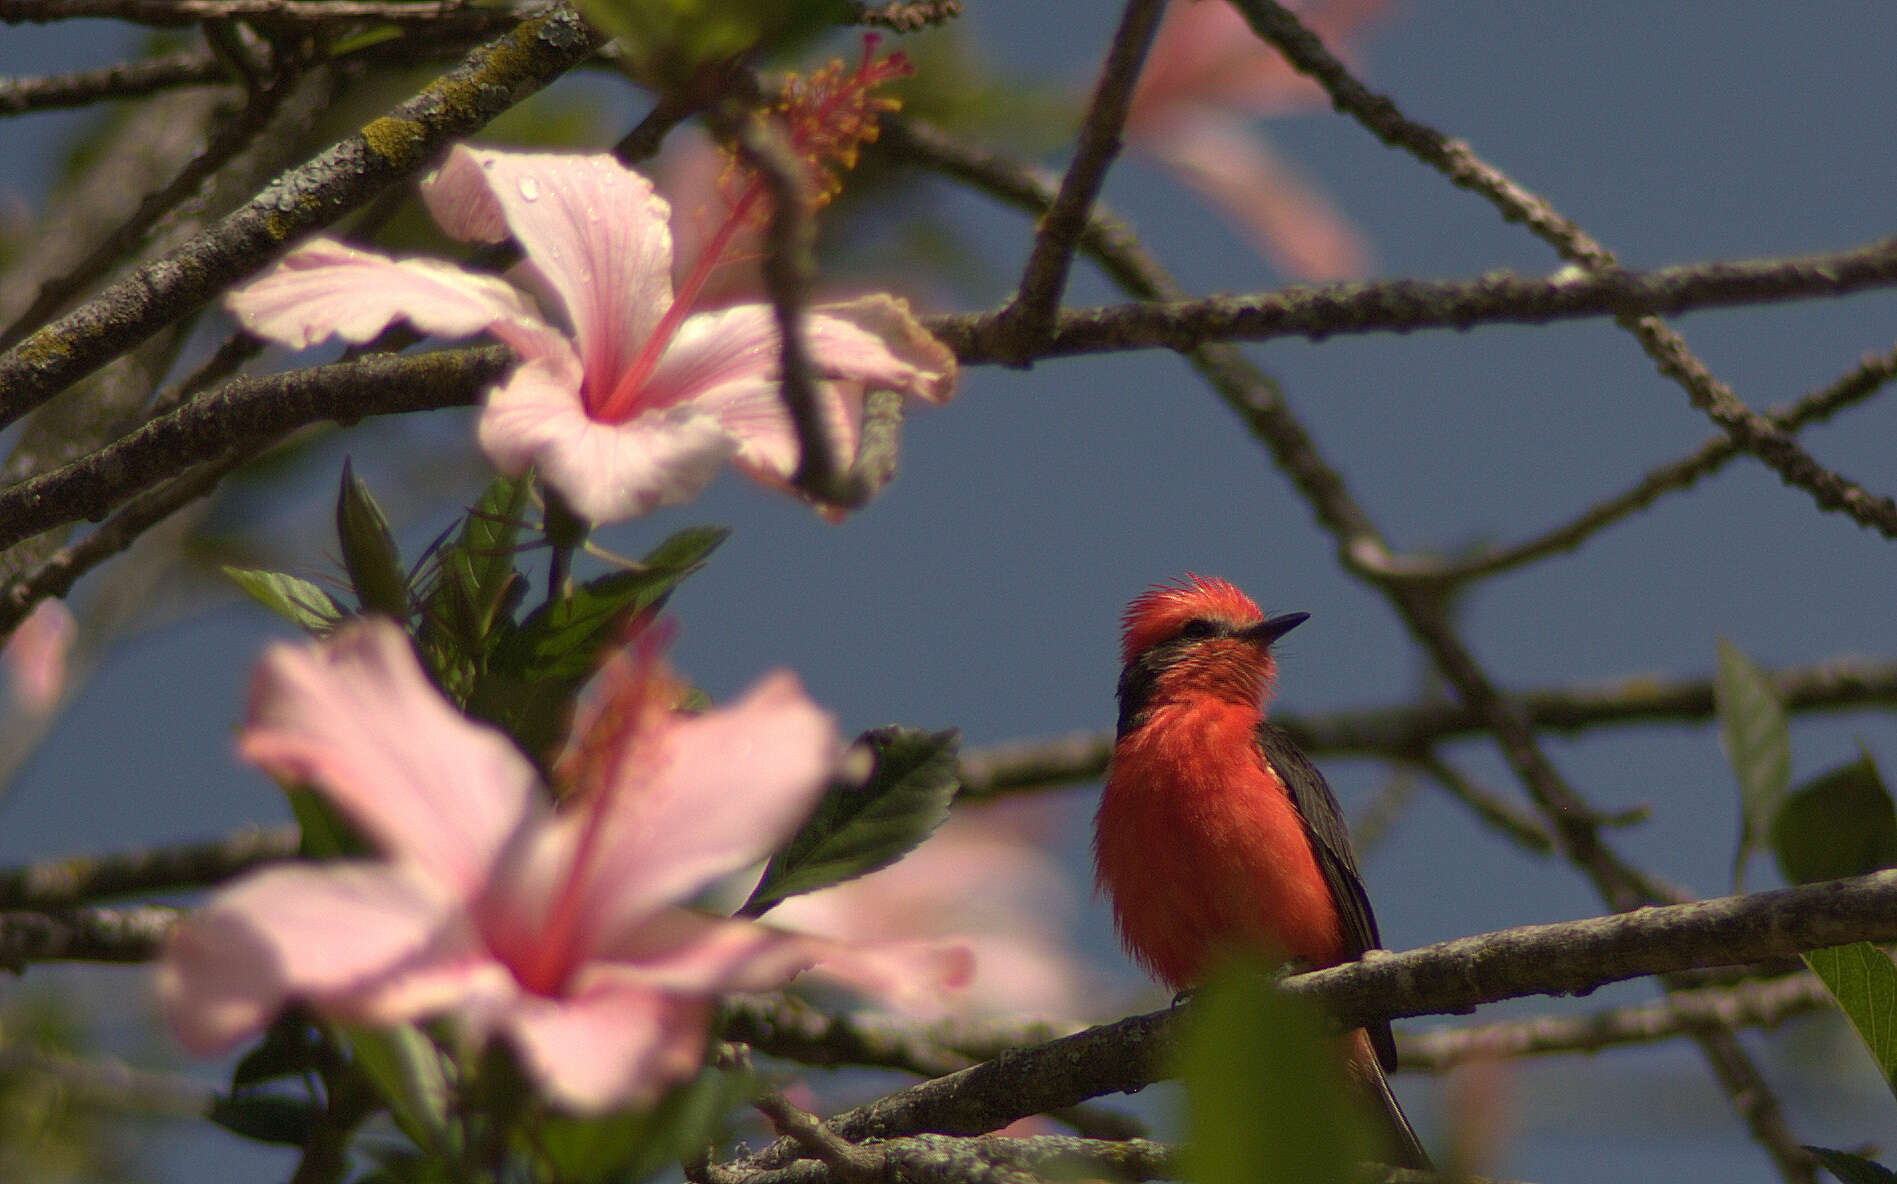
(387, 150)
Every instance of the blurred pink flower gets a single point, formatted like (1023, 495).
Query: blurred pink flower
(35, 656)
(636, 403)
(1207, 78)
(558, 929)
(982, 878)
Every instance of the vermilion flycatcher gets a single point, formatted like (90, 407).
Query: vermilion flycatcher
(1215, 833)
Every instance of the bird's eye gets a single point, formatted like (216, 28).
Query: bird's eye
(1198, 627)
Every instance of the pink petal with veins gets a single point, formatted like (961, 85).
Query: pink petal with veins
(324, 289)
(592, 228)
(1265, 199)
(609, 1045)
(356, 716)
(605, 471)
(291, 932)
(723, 790)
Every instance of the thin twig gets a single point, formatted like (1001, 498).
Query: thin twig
(1028, 317)
(82, 879)
(389, 149)
(1748, 429)
(1404, 306)
(1764, 1004)
(231, 137)
(1862, 381)
(128, 80)
(247, 412)
(1411, 731)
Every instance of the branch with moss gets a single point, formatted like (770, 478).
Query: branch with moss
(304, 200)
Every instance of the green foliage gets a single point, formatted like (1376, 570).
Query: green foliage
(1853, 1169)
(1266, 1099)
(266, 1117)
(535, 668)
(1758, 746)
(860, 827)
(289, 1049)
(632, 1145)
(470, 586)
(299, 602)
(370, 556)
(53, 1129)
(408, 1073)
(668, 40)
(325, 833)
(1841, 823)
(1863, 981)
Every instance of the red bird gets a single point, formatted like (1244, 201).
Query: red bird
(1214, 831)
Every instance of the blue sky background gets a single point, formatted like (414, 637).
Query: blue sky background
(983, 590)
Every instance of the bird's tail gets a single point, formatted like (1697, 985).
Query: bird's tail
(1401, 1146)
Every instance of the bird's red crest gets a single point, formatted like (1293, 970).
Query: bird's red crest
(1160, 611)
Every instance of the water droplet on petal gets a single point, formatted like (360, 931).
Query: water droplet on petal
(530, 189)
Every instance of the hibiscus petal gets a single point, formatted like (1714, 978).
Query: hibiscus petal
(685, 951)
(604, 471)
(719, 794)
(1284, 218)
(610, 1046)
(355, 716)
(724, 789)
(592, 228)
(324, 289)
(290, 933)
(726, 364)
(876, 341)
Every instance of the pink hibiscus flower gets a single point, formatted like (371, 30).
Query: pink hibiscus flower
(635, 401)
(1207, 78)
(36, 657)
(559, 929)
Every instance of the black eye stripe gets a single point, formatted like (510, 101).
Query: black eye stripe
(1199, 627)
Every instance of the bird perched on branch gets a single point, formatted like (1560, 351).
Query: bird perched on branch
(1215, 832)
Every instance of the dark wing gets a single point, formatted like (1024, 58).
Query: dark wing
(1330, 841)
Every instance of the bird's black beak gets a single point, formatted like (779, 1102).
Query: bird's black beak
(1271, 629)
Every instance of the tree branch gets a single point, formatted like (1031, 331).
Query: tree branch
(1565, 958)
(1403, 306)
(128, 80)
(1026, 319)
(245, 412)
(1763, 1004)
(306, 199)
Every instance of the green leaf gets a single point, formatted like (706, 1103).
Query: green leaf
(1840, 824)
(537, 667)
(407, 1071)
(474, 576)
(1266, 1101)
(370, 555)
(633, 1144)
(1758, 746)
(1863, 981)
(860, 827)
(1852, 1169)
(288, 1049)
(667, 40)
(325, 833)
(267, 1118)
(299, 602)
